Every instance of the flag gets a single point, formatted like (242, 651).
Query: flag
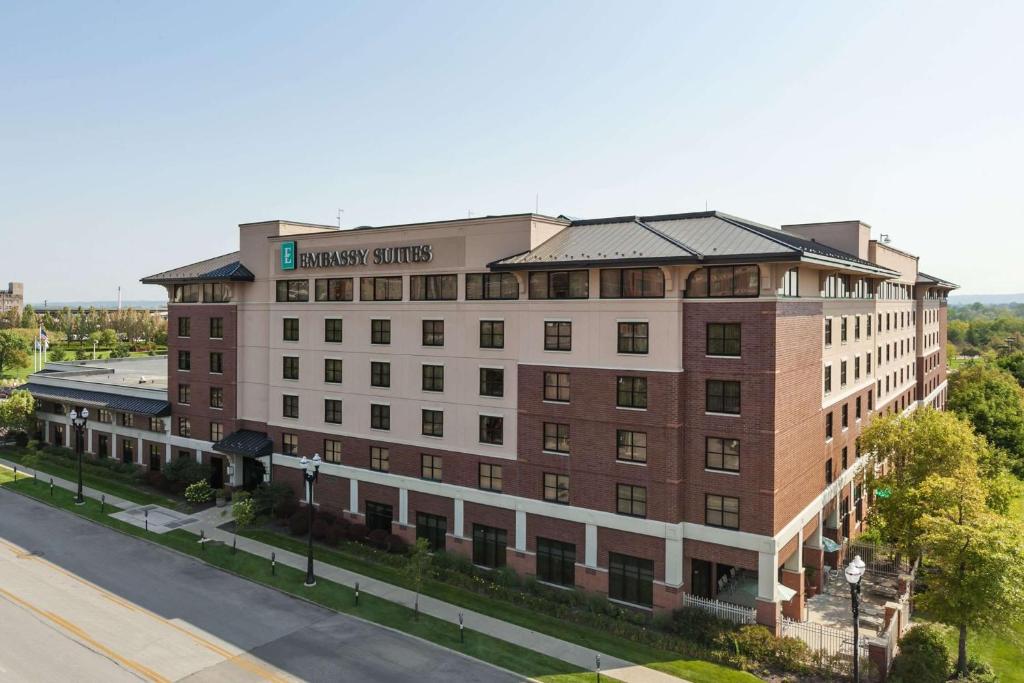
(42, 332)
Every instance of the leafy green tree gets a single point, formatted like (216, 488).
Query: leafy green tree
(416, 568)
(992, 400)
(18, 412)
(57, 355)
(12, 352)
(1014, 364)
(28, 316)
(106, 337)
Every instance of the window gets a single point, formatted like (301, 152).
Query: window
(722, 511)
(187, 294)
(490, 477)
(844, 420)
(430, 467)
(856, 368)
(380, 416)
(184, 360)
(869, 318)
(790, 283)
(184, 394)
(491, 286)
(332, 411)
(216, 397)
(871, 403)
(433, 287)
(630, 579)
(556, 562)
(556, 488)
(632, 283)
(842, 373)
(184, 427)
(631, 446)
(633, 338)
(723, 397)
(828, 471)
(558, 336)
(380, 331)
(560, 284)
(631, 500)
(333, 330)
(723, 281)
(332, 370)
(432, 528)
(216, 293)
(828, 379)
(216, 431)
(156, 424)
(489, 546)
(127, 419)
(856, 328)
(631, 392)
(845, 458)
(828, 426)
(380, 288)
(289, 406)
(290, 329)
(556, 437)
(842, 329)
(217, 362)
(722, 454)
(433, 333)
(289, 443)
(828, 332)
(857, 408)
(216, 328)
(154, 458)
(184, 327)
(332, 450)
(492, 334)
(290, 367)
(333, 289)
(380, 374)
(433, 423)
(292, 290)
(433, 378)
(380, 459)
(723, 339)
(556, 386)
(492, 429)
(378, 516)
(106, 417)
(492, 382)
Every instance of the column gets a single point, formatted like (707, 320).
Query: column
(89, 448)
(401, 527)
(517, 557)
(793, 577)
(767, 592)
(353, 496)
(814, 560)
(461, 544)
(403, 506)
(667, 596)
(457, 528)
(138, 452)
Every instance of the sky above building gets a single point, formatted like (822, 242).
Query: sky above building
(134, 137)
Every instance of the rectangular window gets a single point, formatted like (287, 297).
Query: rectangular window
(433, 287)
(156, 424)
(631, 500)
(491, 286)
(154, 458)
(380, 374)
(790, 283)
(106, 417)
(332, 370)
(828, 379)
(556, 562)
(857, 410)
(492, 334)
(856, 368)
(869, 318)
(430, 467)
(633, 338)
(828, 471)
(217, 362)
(432, 528)
(828, 426)
(216, 293)
(184, 394)
(184, 327)
(380, 459)
(332, 450)
(842, 329)
(722, 454)
(845, 416)
(184, 360)
(723, 339)
(490, 477)
(828, 332)
(216, 431)
(333, 289)
(556, 488)
(631, 446)
(845, 458)
(216, 397)
(433, 333)
(842, 373)
(631, 392)
(289, 406)
(433, 422)
(332, 411)
(630, 579)
(127, 419)
(558, 336)
(632, 283)
(290, 331)
(724, 281)
(184, 427)
(289, 443)
(216, 328)
(489, 546)
(492, 429)
(722, 511)
(290, 367)
(380, 288)
(492, 382)
(380, 416)
(292, 290)
(378, 516)
(333, 330)
(380, 331)
(723, 397)
(560, 284)
(187, 294)
(556, 386)
(856, 328)
(556, 437)
(433, 378)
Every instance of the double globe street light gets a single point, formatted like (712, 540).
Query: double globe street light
(78, 421)
(310, 470)
(854, 572)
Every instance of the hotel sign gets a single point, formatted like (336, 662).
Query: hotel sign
(341, 258)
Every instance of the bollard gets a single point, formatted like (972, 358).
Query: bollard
(357, 594)
(462, 629)
(202, 539)
(103, 503)
(598, 660)
(146, 513)
(234, 544)
(15, 475)
(51, 487)
(273, 563)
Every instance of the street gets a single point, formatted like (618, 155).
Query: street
(81, 602)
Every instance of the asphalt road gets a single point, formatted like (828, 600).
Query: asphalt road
(80, 602)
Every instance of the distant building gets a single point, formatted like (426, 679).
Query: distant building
(12, 298)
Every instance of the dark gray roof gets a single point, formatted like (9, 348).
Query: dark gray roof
(118, 402)
(226, 267)
(245, 442)
(926, 279)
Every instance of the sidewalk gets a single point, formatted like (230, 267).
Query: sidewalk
(211, 518)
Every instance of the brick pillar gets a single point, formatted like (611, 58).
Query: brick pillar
(878, 655)
(591, 579)
(768, 616)
(667, 598)
(794, 607)
(815, 557)
(405, 531)
(462, 546)
(523, 563)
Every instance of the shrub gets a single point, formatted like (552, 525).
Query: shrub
(267, 497)
(923, 657)
(378, 538)
(298, 523)
(181, 472)
(397, 544)
(358, 532)
(506, 577)
(198, 492)
(156, 479)
(979, 672)
(243, 509)
(320, 526)
(752, 643)
(286, 508)
(699, 626)
(333, 535)
(21, 440)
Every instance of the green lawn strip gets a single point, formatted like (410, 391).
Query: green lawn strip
(695, 670)
(326, 593)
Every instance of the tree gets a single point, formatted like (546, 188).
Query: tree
(106, 337)
(12, 352)
(992, 400)
(57, 355)
(416, 568)
(18, 412)
(1014, 363)
(28, 316)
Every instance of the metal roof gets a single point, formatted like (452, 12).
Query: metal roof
(225, 267)
(926, 279)
(118, 402)
(245, 442)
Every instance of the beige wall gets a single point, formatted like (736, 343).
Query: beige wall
(849, 236)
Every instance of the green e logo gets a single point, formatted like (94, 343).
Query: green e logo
(287, 255)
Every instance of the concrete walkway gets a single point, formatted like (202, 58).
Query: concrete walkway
(210, 519)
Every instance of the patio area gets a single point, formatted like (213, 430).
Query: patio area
(832, 606)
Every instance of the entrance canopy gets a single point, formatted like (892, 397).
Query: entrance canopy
(247, 443)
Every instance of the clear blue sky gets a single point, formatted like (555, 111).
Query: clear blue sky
(135, 136)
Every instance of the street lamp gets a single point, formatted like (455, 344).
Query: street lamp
(310, 470)
(78, 421)
(854, 572)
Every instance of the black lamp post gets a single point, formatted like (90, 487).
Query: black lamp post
(854, 572)
(310, 470)
(78, 421)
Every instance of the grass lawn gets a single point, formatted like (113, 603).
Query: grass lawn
(332, 595)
